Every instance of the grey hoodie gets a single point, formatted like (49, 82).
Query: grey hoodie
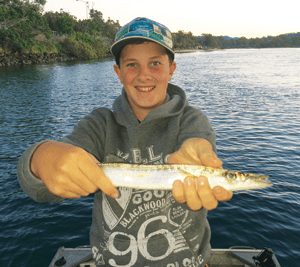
(141, 227)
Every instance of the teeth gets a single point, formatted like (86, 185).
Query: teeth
(145, 89)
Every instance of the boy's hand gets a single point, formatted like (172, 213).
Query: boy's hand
(69, 171)
(197, 193)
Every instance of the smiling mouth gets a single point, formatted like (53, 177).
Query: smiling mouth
(144, 88)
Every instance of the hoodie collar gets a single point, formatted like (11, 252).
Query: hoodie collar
(174, 104)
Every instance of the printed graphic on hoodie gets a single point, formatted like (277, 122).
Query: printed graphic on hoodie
(144, 226)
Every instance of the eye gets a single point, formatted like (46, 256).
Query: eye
(131, 65)
(155, 63)
(230, 176)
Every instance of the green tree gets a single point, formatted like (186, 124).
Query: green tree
(295, 41)
(209, 40)
(52, 17)
(82, 26)
(89, 26)
(41, 2)
(111, 28)
(20, 23)
(242, 41)
(184, 40)
(65, 25)
(96, 16)
(88, 49)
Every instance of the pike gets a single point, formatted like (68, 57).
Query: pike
(161, 177)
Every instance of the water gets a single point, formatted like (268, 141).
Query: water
(252, 98)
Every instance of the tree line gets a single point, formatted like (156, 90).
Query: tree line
(188, 41)
(283, 40)
(25, 29)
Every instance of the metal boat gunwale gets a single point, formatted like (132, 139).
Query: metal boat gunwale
(231, 257)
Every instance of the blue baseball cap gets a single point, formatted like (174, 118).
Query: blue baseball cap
(146, 29)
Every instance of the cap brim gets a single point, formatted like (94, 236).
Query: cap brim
(119, 45)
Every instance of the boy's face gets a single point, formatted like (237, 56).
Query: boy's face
(145, 71)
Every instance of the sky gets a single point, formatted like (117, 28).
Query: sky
(234, 18)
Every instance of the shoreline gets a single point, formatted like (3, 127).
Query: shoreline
(7, 60)
(15, 59)
(180, 51)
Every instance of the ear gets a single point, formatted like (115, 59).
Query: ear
(172, 69)
(118, 72)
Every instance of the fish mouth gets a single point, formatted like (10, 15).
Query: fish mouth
(267, 183)
(145, 88)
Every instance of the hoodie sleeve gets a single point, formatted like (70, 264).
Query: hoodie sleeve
(88, 134)
(31, 185)
(195, 124)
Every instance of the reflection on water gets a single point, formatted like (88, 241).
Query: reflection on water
(252, 99)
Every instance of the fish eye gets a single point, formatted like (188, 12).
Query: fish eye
(230, 176)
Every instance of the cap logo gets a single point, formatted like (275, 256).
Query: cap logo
(146, 29)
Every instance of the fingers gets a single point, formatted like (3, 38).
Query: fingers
(205, 193)
(70, 171)
(192, 198)
(85, 180)
(221, 194)
(174, 158)
(196, 151)
(106, 186)
(180, 158)
(67, 190)
(210, 159)
(97, 179)
(187, 192)
(198, 194)
(83, 185)
(204, 152)
(178, 192)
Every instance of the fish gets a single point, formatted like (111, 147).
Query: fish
(161, 177)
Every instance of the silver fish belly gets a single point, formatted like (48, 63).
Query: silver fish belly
(161, 177)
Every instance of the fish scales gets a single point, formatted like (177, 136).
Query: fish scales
(161, 177)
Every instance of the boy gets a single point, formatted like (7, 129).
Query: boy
(151, 123)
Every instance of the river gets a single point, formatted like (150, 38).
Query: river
(252, 98)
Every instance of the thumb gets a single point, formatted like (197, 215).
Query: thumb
(210, 159)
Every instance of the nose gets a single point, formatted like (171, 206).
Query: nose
(144, 73)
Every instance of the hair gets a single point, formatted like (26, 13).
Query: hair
(140, 41)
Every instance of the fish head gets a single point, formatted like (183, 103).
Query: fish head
(246, 181)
